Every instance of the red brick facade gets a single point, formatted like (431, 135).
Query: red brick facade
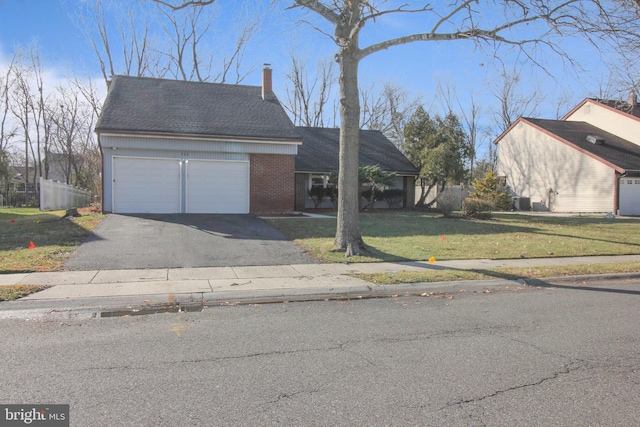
(272, 182)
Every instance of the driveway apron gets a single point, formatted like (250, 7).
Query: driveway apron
(175, 241)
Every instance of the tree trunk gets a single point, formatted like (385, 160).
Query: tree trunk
(348, 235)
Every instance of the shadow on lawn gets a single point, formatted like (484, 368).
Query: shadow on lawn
(18, 229)
(412, 223)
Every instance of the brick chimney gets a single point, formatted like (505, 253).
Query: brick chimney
(267, 89)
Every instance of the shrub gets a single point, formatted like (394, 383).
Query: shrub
(332, 193)
(371, 195)
(317, 194)
(486, 197)
(446, 203)
(394, 197)
(476, 207)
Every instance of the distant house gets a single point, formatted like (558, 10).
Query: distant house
(587, 162)
(173, 146)
(319, 154)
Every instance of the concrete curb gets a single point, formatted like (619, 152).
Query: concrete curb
(113, 306)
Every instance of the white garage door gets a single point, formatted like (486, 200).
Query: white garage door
(146, 185)
(629, 196)
(217, 186)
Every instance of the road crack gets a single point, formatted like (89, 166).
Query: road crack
(566, 369)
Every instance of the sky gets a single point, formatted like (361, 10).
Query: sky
(417, 67)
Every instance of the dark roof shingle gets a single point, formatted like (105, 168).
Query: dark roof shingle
(615, 150)
(319, 151)
(142, 104)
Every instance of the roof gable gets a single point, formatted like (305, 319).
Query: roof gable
(160, 106)
(620, 107)
(617, 152)
(320, 148)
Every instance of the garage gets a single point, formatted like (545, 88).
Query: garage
(629, 196)
(146, 185)
(217, 186)
(171, 146)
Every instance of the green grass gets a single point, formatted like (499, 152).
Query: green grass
(54, 238)
(414, 235)
(511, 273)
(14, 292)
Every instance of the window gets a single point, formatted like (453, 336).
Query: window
(629, 181)
(318, 181)
(637, 181)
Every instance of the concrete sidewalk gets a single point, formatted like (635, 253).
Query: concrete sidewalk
(283, 282)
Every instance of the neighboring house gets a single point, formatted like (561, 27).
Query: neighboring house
(173, 146)
(587, 162)
(318, 156)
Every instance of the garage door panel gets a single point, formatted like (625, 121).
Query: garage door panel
(629, 196)
(217, 187)
(146, 185)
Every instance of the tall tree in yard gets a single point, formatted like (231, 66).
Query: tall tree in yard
(523, 24)
(438, 147)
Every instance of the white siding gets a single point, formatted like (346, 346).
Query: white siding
(618, 123)
(187, 144)
(535, 162)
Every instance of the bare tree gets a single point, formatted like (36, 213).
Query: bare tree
(7, 129)
(387, 110)
(307, 97)
(513, 102)
(166, 41)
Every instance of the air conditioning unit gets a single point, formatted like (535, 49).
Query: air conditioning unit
(522, 203)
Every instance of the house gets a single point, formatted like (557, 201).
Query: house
(173, 146)
(318, 157)
(587, 162)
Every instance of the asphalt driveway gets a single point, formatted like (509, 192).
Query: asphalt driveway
(175, 241)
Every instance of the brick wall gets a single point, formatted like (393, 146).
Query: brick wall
(272, 183)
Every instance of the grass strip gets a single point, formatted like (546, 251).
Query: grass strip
(14, 292)
(507, 273)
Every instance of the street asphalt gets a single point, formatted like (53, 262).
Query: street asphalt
(103, 289)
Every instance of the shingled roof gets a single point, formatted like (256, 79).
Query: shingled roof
(175, 107)
(319, 151)
(621, 153)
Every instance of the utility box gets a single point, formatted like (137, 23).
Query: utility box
(522, 203)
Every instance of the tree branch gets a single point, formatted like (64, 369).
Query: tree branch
(319, 8)
(185, 4)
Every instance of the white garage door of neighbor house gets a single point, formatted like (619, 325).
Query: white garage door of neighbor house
(629, 196)
(217, 186)
(143, 185)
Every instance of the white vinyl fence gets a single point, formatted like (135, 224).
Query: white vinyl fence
(58, 195)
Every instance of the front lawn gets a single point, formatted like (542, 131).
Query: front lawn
(413, 235)
(54, 238)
